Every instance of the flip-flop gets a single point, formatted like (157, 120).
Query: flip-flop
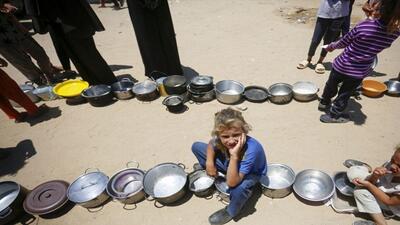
(328, 119)
(303, 64)
(320, 68)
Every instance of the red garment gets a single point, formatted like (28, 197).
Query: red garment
(9, 89)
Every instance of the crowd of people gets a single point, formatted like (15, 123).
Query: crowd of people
(72, 25)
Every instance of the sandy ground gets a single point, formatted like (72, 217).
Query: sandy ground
(247, 41)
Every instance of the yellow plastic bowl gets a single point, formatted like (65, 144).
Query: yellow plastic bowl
(373, 88)
(70, 88)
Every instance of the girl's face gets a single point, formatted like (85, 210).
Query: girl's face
(230, 137)
(395, 164)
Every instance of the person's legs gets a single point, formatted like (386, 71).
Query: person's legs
(199, 149)
(331, 87)
(240, 194)
(20, 60)
(60, 49)
(378, 218)
(332, 33)
(8, 109)
(367, 203)
(320, 29)
(340, 103)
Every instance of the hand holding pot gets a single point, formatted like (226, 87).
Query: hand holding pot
(235, 152)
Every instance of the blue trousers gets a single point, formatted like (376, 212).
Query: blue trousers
(239, 194)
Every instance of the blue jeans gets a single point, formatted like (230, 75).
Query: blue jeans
(239, 194)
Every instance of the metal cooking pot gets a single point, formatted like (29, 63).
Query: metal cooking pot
(305, 91)
(229, 91)
(89, 190)
(278, 181)
(123, 89)
(98, 95)
(166, 183)
(343, 184)
(175, 85)
(393, 87)
(201, 84)
(174, 103)
(27, 88)
(126, 185)
(223, 189)
(314, 185)
(146, 90)
(201, 96)
(280, 93)
(201, 184)
(12, 196)
(45, 92)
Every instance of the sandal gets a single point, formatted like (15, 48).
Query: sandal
(303, 64)
(328, 119)
(320, 68)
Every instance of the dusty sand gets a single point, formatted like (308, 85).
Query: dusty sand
(247, 41)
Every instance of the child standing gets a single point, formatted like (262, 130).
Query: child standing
(232, 152)
(361, 45)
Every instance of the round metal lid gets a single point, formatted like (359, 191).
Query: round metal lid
(255, 93)
(46, 197)
(87, 187)
(202, 80)
(9, 191)
(173, 100)
(175, 81)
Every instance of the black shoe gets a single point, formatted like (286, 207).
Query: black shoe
(197, 166)
(326, 118)
(220, 217)
(323, 107)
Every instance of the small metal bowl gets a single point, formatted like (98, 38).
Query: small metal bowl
(343, 185)
(200, 183)
(278, 181)
(314, 185)
(393, 87)
(229, 91)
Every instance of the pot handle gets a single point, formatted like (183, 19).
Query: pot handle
(209, 197)
(158, 206)
(29, 83)
(181, 165)
(150, 198)
(93, 210)
(3, 216)
(126, 208)
(88, 169)
(130, 162)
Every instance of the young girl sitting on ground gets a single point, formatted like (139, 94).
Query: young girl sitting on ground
(380, 191)
(361, 45)
(235, 154)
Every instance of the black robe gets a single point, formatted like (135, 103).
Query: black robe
(155, 36)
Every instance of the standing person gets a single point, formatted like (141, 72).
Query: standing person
(74, 23)
(155, 35)
(232, 152)
(17, 46)
(347, 20)
(380, 191)
(9, 89)
(330, 17)
(361, 46)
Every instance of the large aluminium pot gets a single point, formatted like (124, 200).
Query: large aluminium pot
(201, 184)
(166, 183)
(28, 89)
(229, 91)
(123, 89)
(280, 93)
(201, 96)
(12, 196)
(146, 90)
(278, 181)
(126, 185)
(201, 84)
(98, 95)
(89, 189)
(305, 91)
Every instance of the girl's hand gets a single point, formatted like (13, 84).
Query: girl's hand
(235, 151)
(379, 172)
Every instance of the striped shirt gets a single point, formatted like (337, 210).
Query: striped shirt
(361, 45)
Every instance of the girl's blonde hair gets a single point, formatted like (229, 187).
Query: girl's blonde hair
(229, 118)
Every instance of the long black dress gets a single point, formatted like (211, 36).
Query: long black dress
(74, 23)
(155, 36)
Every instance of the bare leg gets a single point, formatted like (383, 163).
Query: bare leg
(321, 59)
(378, 218)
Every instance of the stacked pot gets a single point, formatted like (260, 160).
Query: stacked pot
(201, 89)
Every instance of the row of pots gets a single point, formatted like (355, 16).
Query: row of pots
(36, 94)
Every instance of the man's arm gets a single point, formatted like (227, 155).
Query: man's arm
(378, 193)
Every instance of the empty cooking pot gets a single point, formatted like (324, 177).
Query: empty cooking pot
(280, 93)
(393, 87)
(200, 183)
(174, 103)
(223, 189)
(305, 91)
(314, 185)
(373, 88)
(175, 85)
(146, 90)
(27, 88)
(278, 181)
(98, 95)
(45, 92)
(123, 89)
(229, 91)
(12, 196)
(343, 185)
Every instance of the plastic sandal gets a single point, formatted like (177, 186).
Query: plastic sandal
(320, 68)
(303, 64)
